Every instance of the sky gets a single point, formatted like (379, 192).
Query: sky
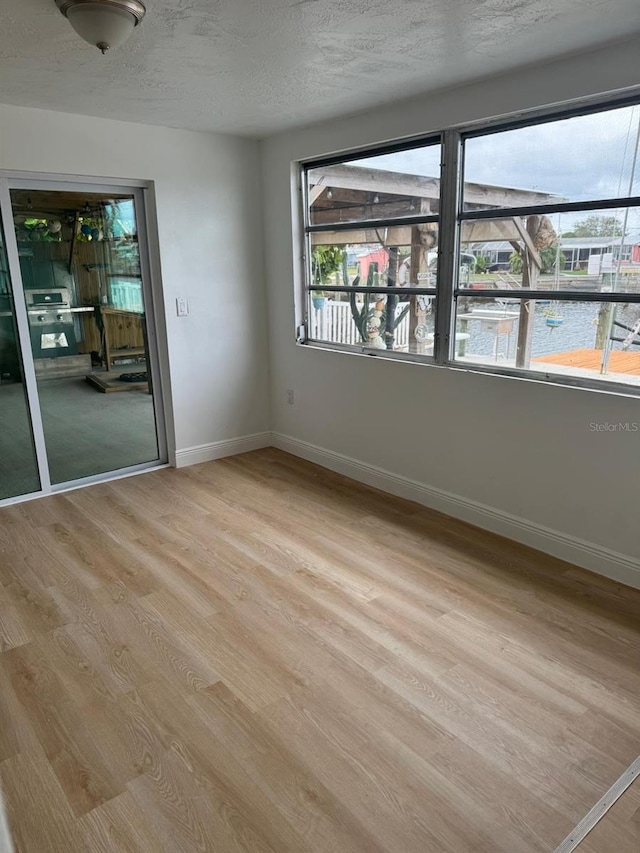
(578, 158)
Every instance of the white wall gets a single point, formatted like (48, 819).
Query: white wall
(208, 213)
(518, 447)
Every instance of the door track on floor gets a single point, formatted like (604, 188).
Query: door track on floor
(577, 835)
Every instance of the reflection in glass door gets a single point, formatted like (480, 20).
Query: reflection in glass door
(18, 464)
(83, 280)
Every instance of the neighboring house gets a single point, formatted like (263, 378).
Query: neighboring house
(576, 250)
(371, 255)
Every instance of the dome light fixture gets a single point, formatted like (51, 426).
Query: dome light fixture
(103, 23)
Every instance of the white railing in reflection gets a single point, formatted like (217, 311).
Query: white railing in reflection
(126, 294)
(333, 322)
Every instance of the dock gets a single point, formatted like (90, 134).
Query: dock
(590, 359)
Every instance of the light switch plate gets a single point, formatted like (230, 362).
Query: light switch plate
(182, 307)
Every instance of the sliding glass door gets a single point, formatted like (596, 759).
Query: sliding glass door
(18, 462)
(79, 253)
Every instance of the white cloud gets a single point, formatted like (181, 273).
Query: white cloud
(580, 158)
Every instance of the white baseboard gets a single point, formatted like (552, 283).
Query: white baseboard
(603, 561)
(220, 449)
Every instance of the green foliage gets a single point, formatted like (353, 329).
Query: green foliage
(373, 276)
(515, 263)
(325, 262)
(37, 231)
(482, 263)
(598, 226)
(549, 256)
(361, 316)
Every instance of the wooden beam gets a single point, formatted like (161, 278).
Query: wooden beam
(380, 180)
(398, 235)
(358, 213)
(526, 238)
(376, 180)
(530, 271)
(72, 247)
(489, 230)
(315, 193)
(486, 195)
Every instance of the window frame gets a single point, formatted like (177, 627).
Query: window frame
(384, 222)
(450, 220)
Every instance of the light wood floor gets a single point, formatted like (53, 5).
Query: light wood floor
(622, 821)
(259, 655)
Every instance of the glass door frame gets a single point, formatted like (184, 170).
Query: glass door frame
(153, 305)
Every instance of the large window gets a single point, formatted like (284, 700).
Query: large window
(372, 250)
(520, 255)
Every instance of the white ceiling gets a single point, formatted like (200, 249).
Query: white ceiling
(258, 66)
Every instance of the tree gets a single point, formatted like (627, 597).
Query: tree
(325, 261)
(598, 226)
(549, 256)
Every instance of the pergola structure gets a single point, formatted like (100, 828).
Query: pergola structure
(354, 188)
(340, 194)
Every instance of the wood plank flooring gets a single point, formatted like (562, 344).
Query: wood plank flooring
(619, 829)
(257, 654)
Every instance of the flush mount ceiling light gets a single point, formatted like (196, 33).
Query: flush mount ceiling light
(103, 23)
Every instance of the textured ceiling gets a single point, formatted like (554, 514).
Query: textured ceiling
(258, 66)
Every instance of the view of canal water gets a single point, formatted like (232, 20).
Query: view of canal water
(578, 329)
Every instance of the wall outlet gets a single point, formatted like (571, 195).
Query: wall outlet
(182, 307)
(291, 397)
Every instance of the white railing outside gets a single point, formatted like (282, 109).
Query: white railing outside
(333, 322)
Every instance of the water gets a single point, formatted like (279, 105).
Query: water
(578, 330)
